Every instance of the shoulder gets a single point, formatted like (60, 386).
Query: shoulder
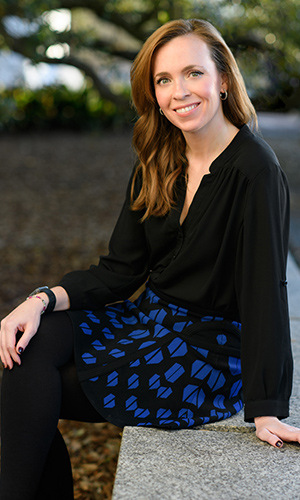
(254, 157)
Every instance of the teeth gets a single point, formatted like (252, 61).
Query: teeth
(185, 110)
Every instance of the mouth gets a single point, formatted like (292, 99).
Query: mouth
(186, 109)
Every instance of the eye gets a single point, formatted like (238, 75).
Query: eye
(162, 81)
(195, 73)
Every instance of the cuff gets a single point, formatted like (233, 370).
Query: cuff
(266, 408)
(85, 291)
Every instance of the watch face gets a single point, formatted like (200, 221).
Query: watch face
(38, 290)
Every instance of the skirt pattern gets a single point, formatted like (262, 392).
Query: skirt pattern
(152, 363)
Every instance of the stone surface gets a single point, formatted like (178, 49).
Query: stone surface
(293, 275)
(189, 464)
(279, 125)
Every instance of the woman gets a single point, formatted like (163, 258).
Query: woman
(205, 224)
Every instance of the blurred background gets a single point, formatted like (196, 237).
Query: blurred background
(65, 140)
(66, 62)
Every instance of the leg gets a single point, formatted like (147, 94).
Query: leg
(56, 481)
(30, 409)
(74, 404)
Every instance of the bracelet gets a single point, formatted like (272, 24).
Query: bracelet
(51, 296)
(38, 297)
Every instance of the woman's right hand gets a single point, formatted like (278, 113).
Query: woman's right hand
(25, 319)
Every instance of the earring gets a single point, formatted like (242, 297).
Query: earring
(223, 95)
(161, 111)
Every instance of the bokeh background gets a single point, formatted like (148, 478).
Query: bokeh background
(65, 139)
(66, 62)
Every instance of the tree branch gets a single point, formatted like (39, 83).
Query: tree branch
(20, 46)
(102, 88)
(107, 49)
(244, 42)
(99, 8)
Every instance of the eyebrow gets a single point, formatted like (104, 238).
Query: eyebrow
(186, 68)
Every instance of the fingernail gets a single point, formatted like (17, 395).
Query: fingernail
(279, 444)
(20, 350)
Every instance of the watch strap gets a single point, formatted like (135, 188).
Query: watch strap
(50, 295)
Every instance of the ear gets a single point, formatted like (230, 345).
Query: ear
(224, 82)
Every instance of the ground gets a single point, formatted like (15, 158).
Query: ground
(60, 196)
(61, 193)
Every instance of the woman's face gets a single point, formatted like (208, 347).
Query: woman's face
(187, 85)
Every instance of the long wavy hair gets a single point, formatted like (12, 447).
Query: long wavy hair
(160, 145)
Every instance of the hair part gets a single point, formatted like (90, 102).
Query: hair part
(160, 145)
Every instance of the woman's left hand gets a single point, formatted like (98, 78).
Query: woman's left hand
(274, 432)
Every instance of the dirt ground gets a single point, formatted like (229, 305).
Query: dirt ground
(60, 196)
(61, 193)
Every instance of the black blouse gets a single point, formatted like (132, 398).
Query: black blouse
(228, 258)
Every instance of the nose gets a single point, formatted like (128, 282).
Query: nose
(180, 90)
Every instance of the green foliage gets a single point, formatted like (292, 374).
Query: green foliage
(58, 107)
(264, 37)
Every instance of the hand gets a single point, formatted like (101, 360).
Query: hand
(25, 318)
(274, 432)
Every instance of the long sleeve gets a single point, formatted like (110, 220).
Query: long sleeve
(120, 273)
(262, 296)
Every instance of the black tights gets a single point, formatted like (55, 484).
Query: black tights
(35, 463)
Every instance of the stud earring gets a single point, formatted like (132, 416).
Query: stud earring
(161, 111)
(223, 95)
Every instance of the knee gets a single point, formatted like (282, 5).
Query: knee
(53, 339)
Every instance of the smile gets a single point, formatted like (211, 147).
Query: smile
(187, 108)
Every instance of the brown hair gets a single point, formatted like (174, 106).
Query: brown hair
(159, 144)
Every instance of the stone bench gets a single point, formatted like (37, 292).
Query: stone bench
(218, 461)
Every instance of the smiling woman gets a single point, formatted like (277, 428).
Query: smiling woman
(190, 98)
(204, 226)
(189, 74)
(185, 90)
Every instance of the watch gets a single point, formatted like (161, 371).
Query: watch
(49, 293)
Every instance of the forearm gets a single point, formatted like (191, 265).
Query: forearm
(62, 298)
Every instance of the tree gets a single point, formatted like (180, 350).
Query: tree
(265, 37)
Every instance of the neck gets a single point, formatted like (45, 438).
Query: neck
(207, 144)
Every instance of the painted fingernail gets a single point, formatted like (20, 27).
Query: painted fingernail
(279, 444)
(20, 350)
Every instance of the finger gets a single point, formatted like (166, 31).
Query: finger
(7, 346)
(13, 354)
(2, 357)
(8, 341)
(7, 360)
(267, 436)
(25, 339)
(1, 350)
(289, 433)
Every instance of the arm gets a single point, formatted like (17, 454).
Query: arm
(26, 319)
(116, 277)
(119, 274)
(261, 289)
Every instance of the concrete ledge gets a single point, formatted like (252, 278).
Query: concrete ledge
(223, 460)
(186, 464)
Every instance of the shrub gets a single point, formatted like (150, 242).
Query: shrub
(58, 107)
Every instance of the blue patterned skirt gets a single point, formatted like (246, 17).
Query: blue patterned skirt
(152, 363)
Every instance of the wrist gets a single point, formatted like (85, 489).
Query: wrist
(260, 420)
(47, 296)
(42, 301)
